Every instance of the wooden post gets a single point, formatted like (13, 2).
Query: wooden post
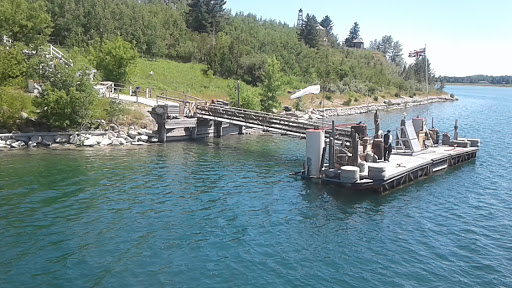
(456, 130)
(355, 148)
(240, 130)
(217, 128)
(331, 146)
(193, 134)
(238, 92)
(376, 122)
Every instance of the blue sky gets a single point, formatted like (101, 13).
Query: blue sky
(462, 37)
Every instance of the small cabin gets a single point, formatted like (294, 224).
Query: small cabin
(357, 44)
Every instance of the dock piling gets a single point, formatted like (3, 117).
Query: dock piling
(456, 130)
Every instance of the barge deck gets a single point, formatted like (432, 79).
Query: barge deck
(403, 169)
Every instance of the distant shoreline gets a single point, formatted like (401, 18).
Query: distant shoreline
(480, 85)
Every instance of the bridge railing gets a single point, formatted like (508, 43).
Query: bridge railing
(265, 120)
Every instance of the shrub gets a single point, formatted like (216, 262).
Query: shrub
(328, 97)
(348, 102)
(12, 103)
(299, 105)
(376, 98)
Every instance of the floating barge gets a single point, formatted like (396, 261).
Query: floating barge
(359, 164)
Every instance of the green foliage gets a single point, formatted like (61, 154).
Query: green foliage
(25, 21)
(68, 98)
(249, 98)
(273, 84)
(13, 65)
(113, 59)
(309, 33)
(12, 102)
(327, 24)
(391, 49)
(353, 35)
(204, 16)
(299, 104)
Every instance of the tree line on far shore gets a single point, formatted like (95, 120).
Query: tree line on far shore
(478, 79)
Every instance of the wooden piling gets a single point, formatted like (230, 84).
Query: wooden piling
(218, 129)
(456, 130)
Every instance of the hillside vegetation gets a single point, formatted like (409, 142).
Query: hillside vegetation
(194, 47)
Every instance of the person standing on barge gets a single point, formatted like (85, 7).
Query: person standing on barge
(388, 147)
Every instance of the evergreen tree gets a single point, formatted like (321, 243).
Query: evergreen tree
(215, 12)
(391, 49)
(197, 17)
(353, 35)
(204, 16)
(327, 24)
(310, 34)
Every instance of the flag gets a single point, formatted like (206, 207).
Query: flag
(418, 53)
(315, 89)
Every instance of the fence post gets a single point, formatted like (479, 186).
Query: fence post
(147, 93)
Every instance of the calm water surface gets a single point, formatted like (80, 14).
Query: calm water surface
(223, 212)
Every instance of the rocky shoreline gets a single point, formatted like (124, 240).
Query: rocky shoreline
(132, 136)
(400, 103)
(129, 136)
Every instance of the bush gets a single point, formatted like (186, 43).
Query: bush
(12, 103)
(249, 98)
(68, 98)
(299, 105)
(376, 98)
(348, 102)
(328, 97)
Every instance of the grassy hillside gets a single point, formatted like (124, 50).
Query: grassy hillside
(177, 78)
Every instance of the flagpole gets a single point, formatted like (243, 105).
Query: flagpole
(426, 79)
(426, 68)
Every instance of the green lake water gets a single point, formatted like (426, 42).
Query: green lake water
(224, 212)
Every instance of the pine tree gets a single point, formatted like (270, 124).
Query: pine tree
(353, 35)
(327, 24)
(197, 17)
(310, 34)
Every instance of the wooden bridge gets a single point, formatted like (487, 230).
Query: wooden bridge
(198, 119)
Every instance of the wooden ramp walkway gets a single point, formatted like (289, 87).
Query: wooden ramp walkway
(278, 123)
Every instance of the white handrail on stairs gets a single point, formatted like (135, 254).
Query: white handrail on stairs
(54, 52)
(6, 40)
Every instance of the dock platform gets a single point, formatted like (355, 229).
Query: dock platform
(403, 169)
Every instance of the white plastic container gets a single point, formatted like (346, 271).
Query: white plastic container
(314, 145)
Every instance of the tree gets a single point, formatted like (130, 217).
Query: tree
(197, 17)
(204, 16)
(310, 34)
(391, 49)
(215, 12)
(327, 24)
(13, 65)
(67, 99)
(272, 85)
(25, 21)
(353, 35)
(113, 59)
